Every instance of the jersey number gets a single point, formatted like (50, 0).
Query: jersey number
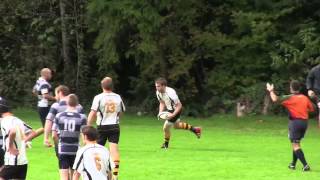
(97, 160)
(110, 107)
(69, 125)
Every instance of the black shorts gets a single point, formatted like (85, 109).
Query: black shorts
(297, 129)
(109, 133)
(176, 118)
(14, 172)
(1, 156)
(66, 161)
(43, 112)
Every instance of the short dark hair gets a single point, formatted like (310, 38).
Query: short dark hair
(63, 89)
(73, 100)
(90, 132)
(106, 83)
(4, 106)
(295, 85)
(162, 81)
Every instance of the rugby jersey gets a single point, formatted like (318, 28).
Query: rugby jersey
(108, 106)
(298, 106)
(7, 123)
(93, 161)
(42, 87)
(69, 124)
(60, 106)
(169, 97)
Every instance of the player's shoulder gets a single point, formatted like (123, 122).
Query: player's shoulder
(54, 105)
(170, 90)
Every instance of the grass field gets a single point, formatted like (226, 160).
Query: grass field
(248, 148)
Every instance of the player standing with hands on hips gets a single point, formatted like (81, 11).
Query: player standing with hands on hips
(298, 106)
(107, 108)
(169, 101)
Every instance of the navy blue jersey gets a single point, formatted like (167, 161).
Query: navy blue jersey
(69, 124)
(59, 107)
(42, 87)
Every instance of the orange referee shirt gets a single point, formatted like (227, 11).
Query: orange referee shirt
(298, 106)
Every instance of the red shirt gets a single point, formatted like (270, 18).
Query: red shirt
(298, 106)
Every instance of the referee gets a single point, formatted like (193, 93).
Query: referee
(298, 106)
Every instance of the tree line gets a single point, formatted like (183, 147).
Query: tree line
(215, 53)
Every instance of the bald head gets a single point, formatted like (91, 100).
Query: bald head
(46, 73)
(107, 84)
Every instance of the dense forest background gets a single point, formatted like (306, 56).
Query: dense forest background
(215, 53)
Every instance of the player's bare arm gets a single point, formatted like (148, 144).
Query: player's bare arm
(12, 135)
(33, 134)
(49, 97)
(161, 106)
(270, 88)
(47, 132)
(92, 117)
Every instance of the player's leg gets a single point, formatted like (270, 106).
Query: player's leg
(167, 134)
(183, 125)
(102, 131)
(63, 167)
(113, 137)
(43, 112)
(297, 129)
(64, 174)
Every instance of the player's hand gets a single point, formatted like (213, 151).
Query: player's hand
(170, 116)
(47, 143)
(270, 87)
(28, 144)
(14, 151)
(311, 93)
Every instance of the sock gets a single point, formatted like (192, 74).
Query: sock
(116, 168)
(183, 125)
(300, 155)
(166, 141)
(294, 158)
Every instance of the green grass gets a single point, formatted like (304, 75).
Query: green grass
(247, 148)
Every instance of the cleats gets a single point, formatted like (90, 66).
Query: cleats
(165, 146)
(306, 168)
(292, 166)
(197, 131)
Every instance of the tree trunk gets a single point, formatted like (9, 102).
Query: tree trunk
(266, 104)
(65, 43)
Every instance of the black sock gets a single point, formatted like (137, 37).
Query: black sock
(166, 141)
(294, 158)
(300, 156)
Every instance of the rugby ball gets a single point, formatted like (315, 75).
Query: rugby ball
(163, 115)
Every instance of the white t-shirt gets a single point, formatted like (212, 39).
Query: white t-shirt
(7, 123)
(93, 161)
(108, 106)
(169, 97)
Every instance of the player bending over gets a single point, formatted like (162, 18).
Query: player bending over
(68, 125)
(298, 106)
(93, 161)
(169, 101)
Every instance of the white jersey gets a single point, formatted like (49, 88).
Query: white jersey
(108, 106)
(8, 123)
(169, 97)
(93, 161)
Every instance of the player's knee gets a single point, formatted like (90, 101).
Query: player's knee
(296, 146)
